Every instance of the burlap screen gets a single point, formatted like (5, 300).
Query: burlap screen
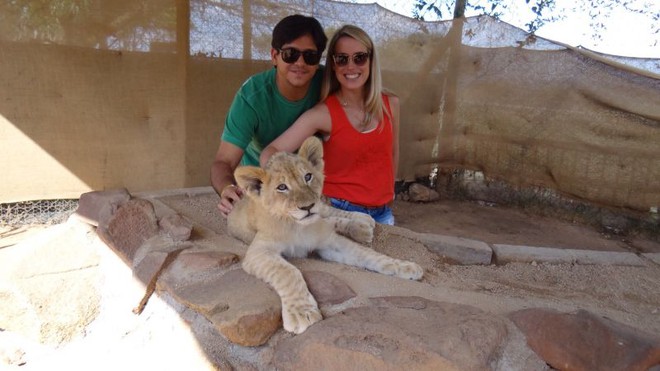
(104, 94)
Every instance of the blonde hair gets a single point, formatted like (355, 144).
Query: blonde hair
(373, 99)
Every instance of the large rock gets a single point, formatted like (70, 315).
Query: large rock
(146, 268)
(584, 341)
(131, 225)
(421, 193)
(396, 333)
(460, 250)
(327, 289)
(527, 254)
(241, 307)
(176, 226)
(97, 207)
(196, 264)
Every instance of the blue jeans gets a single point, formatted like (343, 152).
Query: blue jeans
(381, 214)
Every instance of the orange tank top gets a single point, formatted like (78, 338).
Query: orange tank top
(358, 166)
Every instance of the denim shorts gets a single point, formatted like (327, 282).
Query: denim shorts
(381, 214)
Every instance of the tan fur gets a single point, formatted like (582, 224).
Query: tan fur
(283, 215)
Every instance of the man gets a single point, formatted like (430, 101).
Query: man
(269, 102)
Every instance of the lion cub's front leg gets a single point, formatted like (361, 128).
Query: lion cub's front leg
(355, 225)
(299, 308)
(343, 250)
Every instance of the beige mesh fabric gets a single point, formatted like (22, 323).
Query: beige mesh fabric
(105, 94)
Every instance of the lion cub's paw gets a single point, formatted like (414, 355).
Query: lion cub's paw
(297, 319)
(361, 231)
(404, 269)
(410, 270)
(363, 218)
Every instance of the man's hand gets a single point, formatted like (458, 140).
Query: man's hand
(229, 195)
(222, 176)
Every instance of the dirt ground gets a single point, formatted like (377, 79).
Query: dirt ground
(512, 226)
(628, 294)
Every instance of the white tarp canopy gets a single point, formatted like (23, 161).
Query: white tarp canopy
(134, 94)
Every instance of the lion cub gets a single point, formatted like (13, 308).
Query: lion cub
(283, 215)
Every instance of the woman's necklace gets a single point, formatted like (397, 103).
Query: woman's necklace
(361, 118)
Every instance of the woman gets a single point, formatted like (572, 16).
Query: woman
(359, 123)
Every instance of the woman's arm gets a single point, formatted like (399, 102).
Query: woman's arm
(316, 119)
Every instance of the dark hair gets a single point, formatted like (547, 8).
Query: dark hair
(295, 26)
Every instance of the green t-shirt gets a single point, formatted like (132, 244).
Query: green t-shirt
(259, 113)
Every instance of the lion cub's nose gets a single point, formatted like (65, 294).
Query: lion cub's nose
(306, 208)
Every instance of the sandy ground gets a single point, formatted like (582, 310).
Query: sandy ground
(506, 225)
(627, 294)
(41, 333)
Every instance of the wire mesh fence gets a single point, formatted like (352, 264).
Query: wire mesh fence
(36, 212)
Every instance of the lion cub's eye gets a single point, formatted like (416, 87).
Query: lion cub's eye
(308, 177)
(282, 188)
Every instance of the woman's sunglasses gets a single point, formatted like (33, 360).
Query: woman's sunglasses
(291, 55)
(359, 59)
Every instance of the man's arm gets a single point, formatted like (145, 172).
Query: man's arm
(222, 175)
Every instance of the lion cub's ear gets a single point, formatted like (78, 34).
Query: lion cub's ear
(250, 178)
(312, 151)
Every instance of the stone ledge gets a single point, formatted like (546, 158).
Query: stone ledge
(190, 192)
(96, 207)
(527, 254)
(462, 250)
(654, 257)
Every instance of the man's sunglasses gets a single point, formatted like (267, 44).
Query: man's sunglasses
(291, 55)
(359, 59)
